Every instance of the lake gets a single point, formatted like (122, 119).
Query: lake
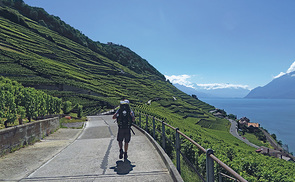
(275, 115)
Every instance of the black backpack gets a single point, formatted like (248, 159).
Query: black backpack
(124, 119)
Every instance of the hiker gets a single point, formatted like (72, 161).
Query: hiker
(125, 117)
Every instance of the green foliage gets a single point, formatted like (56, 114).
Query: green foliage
(274, 136)
(67, 107)
(41, 58)
(210, 134)
(18, 101)
(22, 114)
(80, 111)
(42, 51)
(231, 116)
(21, 111)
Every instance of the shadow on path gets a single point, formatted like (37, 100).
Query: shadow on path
(123, 167)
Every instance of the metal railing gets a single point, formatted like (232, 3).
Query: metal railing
(210, 158)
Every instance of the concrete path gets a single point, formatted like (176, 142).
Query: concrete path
(88, 155)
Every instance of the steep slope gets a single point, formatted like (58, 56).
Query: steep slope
(42, 51)
(96, 77)
(112, 51)
(279, 88)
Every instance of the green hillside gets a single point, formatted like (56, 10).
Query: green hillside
(36, 56)
(42, 51)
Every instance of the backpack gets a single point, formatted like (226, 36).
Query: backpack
(124, 119)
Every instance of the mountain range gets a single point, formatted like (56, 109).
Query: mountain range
(214, 93)
(40, 50)
(282, 87)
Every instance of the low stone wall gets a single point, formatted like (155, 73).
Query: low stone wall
(15, 137)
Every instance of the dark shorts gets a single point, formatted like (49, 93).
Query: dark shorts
(124, 134)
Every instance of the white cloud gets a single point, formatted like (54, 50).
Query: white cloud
(180, 79)
(212, 86)
(291, 69)
(184, 80)
(279, 75)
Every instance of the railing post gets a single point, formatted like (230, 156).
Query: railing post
(163, 136)
(154, 128)
(209, 166)
(146, 123)
(177, 145)
(139, 120)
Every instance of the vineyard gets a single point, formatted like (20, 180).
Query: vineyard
(21, 104)
(36, 56)
(214, 134)
(67, 69)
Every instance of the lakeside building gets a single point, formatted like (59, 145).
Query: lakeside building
(244, 121)
(255, 125)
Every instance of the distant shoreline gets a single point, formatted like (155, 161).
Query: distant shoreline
(277, 148)
(267, 112)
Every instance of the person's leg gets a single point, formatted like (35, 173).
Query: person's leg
(120, 142)
(125, 150)
(126, 143)
(121, 149)
(125, 147)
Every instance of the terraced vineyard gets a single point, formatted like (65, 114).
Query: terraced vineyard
(41, 51)
(64, 65)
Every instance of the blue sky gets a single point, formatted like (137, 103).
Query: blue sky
(230, 43)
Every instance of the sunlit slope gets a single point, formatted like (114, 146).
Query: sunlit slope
(36, 56)
(97, 75)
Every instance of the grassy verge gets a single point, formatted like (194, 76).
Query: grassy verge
(72, 122)
(253, 139)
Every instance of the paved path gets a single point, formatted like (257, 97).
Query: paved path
(233, 131)
(90, 154)
(272, 142)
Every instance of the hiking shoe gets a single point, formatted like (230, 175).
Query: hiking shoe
(121, 154)
(125, 155)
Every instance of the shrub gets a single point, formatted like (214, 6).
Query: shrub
(67, 107)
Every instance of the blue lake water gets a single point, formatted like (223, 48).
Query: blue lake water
(275, 115)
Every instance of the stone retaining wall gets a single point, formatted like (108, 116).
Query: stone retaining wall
(15, 137)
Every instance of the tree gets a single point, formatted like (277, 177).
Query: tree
(34, 15)
(42, 22)
(274, 136)
(245, 119)
(231, 116)
(194, 96)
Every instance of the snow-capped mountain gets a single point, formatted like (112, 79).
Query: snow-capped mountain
(214, 93)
